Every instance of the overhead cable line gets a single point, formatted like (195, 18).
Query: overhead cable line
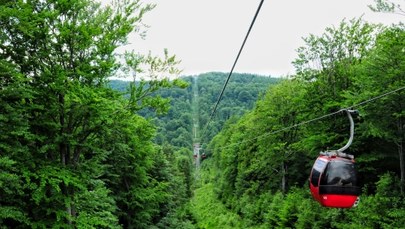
(233, 67)
(274, 171)
(316, 119)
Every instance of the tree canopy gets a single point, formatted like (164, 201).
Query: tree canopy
(74, 152)
(78, 150)
(260, 163)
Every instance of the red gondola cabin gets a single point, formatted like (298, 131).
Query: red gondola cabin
(333, 180)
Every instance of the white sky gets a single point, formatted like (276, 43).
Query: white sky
(206, 34)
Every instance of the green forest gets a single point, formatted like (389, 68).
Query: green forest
(79, 149)
(175, 127)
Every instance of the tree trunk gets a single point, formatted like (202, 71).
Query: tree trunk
(283, 178)
(64, 151)
(401, 165)
(401, 153)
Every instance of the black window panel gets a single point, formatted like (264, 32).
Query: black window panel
(340, 173)
(317, 170)
(315, 177)
(339, 190)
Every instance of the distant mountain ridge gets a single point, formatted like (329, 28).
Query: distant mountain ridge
(176, 127)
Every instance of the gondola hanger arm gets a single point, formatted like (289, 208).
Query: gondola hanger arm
(349, 115)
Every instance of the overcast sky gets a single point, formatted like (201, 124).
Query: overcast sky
(206, 34)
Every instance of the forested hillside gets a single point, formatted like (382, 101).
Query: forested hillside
(258, 173)
(78, 150)
(176, 126)
(75, 153)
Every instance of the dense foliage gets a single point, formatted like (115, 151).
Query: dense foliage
(240, 95)
(260, 163)
(75, 153)
(79, 151)
(193, 105)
